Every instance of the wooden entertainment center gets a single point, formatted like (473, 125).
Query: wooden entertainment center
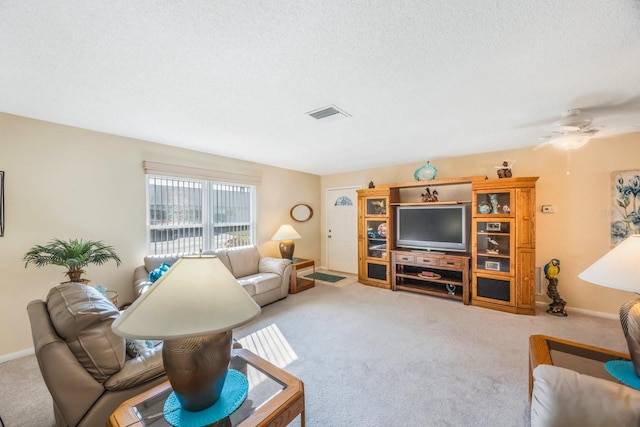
(428, 273)
(497, 273)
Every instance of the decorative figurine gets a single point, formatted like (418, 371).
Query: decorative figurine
(371, 184)
(506, 209)
(425, 173)
(493, 198)
(551, 271)
(378, 207)
(493, 246)
(429, 196)
(504, 170)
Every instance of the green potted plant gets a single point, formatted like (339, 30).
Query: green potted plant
(74, 254)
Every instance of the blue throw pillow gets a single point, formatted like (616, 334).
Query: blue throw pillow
(158, 272)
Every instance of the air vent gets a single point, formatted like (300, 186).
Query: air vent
(330, 112)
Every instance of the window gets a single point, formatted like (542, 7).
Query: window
(186, 215)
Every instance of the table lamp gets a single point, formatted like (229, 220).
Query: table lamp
(193, 307)
(620, 269)
(286, 234)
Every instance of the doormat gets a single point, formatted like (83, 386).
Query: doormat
(325, 277)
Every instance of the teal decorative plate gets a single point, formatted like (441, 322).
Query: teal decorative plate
(234, 392)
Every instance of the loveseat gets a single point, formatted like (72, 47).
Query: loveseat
(83, 363)
(265, 279)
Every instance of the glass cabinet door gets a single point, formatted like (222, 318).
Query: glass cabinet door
(494, 245)
(376, 238)
(498, 203)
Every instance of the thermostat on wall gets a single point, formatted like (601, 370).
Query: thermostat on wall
(548, 209)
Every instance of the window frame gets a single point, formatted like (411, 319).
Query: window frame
(208, 218)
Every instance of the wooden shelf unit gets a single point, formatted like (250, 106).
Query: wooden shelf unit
(375, 232)
(376, 208)
(453, 270)
(503, 244)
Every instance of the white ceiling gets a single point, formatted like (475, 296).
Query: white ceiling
(422, 79)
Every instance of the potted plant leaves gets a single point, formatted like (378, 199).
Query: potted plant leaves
(74, 255)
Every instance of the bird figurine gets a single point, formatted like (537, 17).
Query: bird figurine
(429, 196)
(494, 246)
(552, 268)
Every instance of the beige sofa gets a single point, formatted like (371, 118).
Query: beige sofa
(83, 363)
(265, 279)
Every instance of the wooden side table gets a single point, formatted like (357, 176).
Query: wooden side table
(113, 297)
(582, 358)
(299, 284)
(275, 399)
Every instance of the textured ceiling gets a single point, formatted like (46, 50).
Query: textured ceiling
(422, 79)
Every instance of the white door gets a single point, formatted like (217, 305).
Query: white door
(342, 229)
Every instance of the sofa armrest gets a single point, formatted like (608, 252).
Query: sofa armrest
(273, 265)
(141, 281)
(137, 370)
(562, 397)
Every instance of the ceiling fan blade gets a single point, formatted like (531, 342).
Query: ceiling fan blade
(627, 106)
(631, 105)
(606, 133)
(573, 120)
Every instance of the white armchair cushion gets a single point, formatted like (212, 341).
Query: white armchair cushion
(562, 397)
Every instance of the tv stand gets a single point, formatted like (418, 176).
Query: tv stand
(431, 273)
(427, 251)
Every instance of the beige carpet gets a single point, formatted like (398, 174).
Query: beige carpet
(373, 357)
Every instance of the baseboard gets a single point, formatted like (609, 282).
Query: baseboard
(17, 354)
(569, 309)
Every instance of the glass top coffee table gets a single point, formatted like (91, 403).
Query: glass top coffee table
(582, 358)
(275, 398)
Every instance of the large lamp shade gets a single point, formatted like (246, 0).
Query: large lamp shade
(193, 307)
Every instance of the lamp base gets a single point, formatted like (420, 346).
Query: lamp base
(286, 248)
(197, 367)
(630, 321)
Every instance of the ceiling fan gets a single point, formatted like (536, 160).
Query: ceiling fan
(573, 131)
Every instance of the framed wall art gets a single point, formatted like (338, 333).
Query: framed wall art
(625, 205)
(492, 265)
(1, 203)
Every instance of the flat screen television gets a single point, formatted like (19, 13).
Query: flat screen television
(434, 227)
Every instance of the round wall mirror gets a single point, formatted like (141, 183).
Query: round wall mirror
(301, 212)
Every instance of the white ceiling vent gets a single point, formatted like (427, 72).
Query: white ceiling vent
(330, 113)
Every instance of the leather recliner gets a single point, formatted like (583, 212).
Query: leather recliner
(83, 363)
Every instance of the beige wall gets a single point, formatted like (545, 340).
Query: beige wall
(72, 183)
(67, 182)
(577, 234)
